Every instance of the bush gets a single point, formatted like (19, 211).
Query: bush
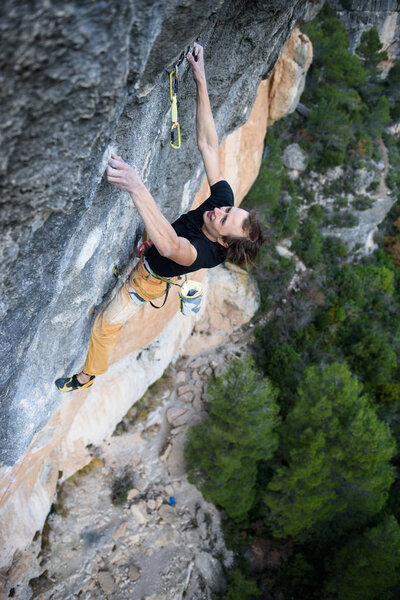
(344, 219)
(363, 202)
(308, 243)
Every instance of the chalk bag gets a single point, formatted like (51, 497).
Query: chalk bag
(190, 293)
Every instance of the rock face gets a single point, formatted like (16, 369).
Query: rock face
(78, 81)
(90, 416)
(115, 531)
(232, 298)
(288, 78)
(361, 15)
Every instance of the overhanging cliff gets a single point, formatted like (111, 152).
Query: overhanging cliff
(79, 78)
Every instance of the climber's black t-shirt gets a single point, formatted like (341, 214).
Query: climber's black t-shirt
(189, 226)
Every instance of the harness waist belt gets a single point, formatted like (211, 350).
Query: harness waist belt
(146, 264)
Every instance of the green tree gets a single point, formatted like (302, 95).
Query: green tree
(284, 366)
(222, 452)
(331, 127)
(331, 55)
(308, 243)
(371, 55)
(348, 100)
(367, 567)
(370, 49)
(379, 116)
(350, 285)
(336, 456)
(374, 358)
(266, 190)
(393, 90)
(342, 67)
(364, 284)
(240, 587)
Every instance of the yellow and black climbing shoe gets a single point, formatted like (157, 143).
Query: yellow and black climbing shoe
(70, 384)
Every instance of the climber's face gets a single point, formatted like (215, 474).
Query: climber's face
(223, 222)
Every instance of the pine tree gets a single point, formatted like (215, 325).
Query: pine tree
(241, 588)
(332, 128)
(336, 458)
(393, 90)
(371, 54)
(366, 568)
(370, 49)
(222, 452)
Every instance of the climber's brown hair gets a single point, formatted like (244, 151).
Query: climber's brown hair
(242, 251)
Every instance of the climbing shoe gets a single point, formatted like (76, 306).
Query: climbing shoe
(70, 384)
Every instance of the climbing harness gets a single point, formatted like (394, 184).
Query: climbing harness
(173, 90)
(190, 292)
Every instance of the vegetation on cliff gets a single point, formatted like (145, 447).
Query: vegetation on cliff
(320, 486)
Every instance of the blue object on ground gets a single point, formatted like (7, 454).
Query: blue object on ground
(171, 501)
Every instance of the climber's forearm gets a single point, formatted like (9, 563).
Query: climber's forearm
(161, 233)
(205, 126)
(207, 137)
(159, 230)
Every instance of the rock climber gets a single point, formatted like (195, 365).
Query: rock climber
(201, 238)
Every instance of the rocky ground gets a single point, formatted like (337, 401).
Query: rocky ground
(356, 201)
(130, 525)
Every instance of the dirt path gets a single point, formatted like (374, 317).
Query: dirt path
(383, 190)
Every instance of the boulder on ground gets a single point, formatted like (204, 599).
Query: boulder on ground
(295, 158)
(211, 571)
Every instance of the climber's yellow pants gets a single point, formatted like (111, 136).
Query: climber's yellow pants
(110, 321)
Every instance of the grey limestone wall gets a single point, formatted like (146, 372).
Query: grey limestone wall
(77, 78)
(360, 15)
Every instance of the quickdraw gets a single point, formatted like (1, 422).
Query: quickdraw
(173, 90)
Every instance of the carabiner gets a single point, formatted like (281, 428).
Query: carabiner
(178, 131)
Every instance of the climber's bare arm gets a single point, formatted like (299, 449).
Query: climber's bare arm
(160, 231)
(207, 138)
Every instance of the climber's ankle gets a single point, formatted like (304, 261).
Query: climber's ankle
(82, 377)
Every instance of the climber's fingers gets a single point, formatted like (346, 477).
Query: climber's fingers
(119, 181)
(117, 163)
(111, 172)
(122, 175)
(196, 60)
(197, 51)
